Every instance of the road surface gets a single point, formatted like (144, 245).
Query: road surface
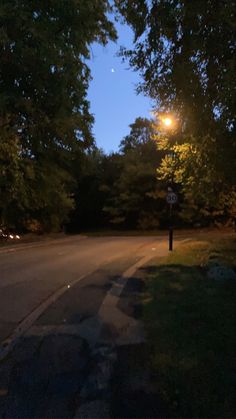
(29, 274)
(66, 299)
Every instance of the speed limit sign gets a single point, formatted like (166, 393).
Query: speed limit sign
(171, 198)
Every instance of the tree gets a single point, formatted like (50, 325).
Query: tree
(44, 111)
(137, 197)
(185, 52)
(203, 195)
(11, 177)
(141, 132)
(94, 175)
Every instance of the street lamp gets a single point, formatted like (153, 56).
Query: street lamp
(169, 123)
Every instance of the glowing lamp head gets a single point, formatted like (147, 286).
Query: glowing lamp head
(167, 122)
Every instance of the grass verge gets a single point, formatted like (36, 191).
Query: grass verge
(191, 323)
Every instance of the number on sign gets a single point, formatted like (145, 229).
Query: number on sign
(171, 198)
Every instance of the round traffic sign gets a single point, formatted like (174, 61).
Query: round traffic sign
(171, 198)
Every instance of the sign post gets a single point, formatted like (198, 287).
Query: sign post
(171, 199)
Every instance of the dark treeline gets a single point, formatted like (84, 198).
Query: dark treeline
(121, 190)
(127, 189)
(51, 173)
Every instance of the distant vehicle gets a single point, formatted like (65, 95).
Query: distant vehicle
(6, 235)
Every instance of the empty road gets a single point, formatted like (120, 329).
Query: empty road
(60, 303)
(29, 274)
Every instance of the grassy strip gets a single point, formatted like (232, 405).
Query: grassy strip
(191, 323)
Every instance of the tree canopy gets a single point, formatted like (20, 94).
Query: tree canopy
(185, 52)
(49, 164)
(136, 196)
(44, 111)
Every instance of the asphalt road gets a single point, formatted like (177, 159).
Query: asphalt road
(85, 293)
(29, 274)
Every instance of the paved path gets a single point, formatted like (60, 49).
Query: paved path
(30, 275)
(64, 342)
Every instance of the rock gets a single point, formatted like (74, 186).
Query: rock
(221, 272)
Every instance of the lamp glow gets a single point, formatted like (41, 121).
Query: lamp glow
(167, 122)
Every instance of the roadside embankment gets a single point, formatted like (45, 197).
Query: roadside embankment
(190, 319)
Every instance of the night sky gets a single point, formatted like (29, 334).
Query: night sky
(114, 102)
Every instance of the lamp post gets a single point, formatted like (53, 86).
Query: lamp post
(171, 197)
